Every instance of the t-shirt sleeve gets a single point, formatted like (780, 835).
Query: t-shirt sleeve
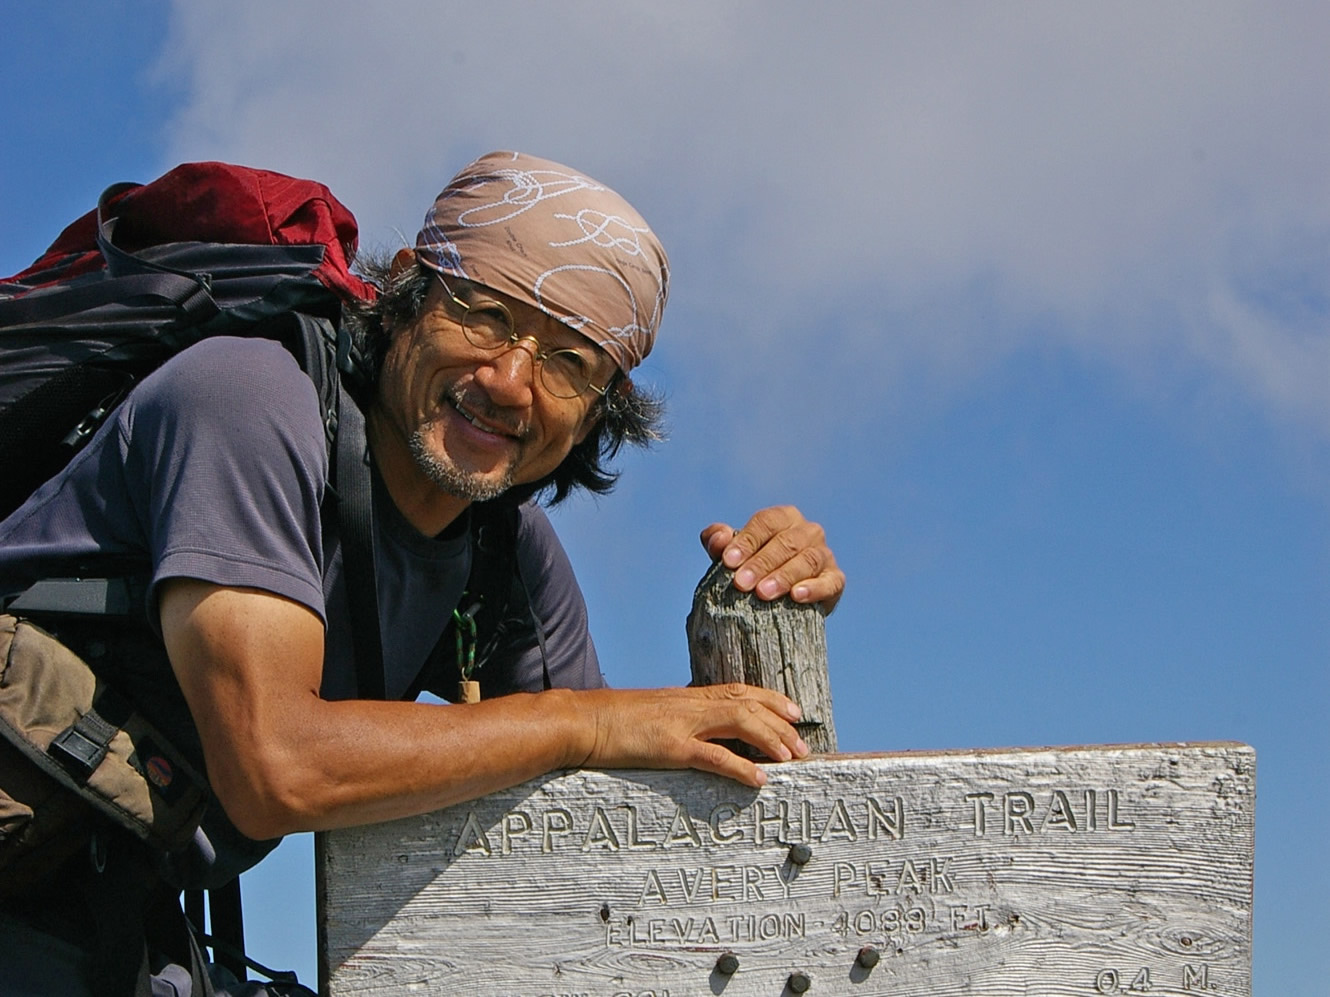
(225, 458)
(558, 603)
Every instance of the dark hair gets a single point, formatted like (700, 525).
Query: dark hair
(625, 414)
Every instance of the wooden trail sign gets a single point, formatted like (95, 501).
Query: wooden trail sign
(1070, 872)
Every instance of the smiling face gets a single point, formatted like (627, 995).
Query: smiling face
(454, 424)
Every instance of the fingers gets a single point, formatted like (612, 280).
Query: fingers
(715, 538)
(762, 718)
(720, 760)
(758, 717)
(677, 728)
(826, 588)
(779, 552)
(776, 703)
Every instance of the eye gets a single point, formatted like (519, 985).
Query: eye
(570, 364)
(488, 323)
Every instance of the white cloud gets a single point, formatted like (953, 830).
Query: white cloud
(1081, 170)
(1288, 366)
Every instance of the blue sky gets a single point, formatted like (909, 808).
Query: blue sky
(1028, 304)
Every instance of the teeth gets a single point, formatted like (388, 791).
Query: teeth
(472, 419)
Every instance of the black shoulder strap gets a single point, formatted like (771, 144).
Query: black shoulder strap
(540, 633)
(355, 515)
(496, 576)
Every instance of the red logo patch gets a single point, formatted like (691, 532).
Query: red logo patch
(159, 771)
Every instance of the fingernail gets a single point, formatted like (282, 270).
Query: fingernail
(800, 747)
(733, 557)
(745, 579)
(784, 754)
(769, 589)
(799, 593)
(792, 708)
(761, 777)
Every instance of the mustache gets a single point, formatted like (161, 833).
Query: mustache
(472, 400)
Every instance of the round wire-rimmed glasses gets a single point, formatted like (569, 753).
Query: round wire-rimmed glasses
(565, 373)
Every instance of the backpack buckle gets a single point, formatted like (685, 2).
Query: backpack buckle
(80, 434)
(81, 746)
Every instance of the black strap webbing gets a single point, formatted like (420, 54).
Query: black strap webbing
(189, 296)
(540, 633)
(355, 515)
(226, 924)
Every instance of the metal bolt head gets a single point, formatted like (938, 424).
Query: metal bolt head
(868, 957)
(800, 854)
(799, 982)
(727, 964)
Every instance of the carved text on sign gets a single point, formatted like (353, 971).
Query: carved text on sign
(1117, 870)
(625, 827)
(1022, 812)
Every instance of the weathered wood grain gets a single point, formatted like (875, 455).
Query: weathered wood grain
(1059, 872)
(734, 636)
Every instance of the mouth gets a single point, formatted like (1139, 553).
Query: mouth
(483, 417)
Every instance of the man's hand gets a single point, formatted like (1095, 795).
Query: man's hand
(778, 552)
(675, 728)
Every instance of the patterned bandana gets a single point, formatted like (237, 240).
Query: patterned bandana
(553, 237)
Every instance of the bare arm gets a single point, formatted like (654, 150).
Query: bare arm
(282, 759)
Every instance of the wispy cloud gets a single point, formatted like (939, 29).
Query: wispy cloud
(1083, 176)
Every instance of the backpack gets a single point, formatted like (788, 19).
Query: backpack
(213, 249)
(208, 249)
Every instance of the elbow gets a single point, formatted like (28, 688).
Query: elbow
(266, 799)
(260, 821)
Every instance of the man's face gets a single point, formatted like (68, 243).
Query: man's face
(476, 422)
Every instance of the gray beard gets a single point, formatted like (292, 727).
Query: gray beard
(452, 479)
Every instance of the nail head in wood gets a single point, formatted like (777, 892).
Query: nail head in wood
(800, 854)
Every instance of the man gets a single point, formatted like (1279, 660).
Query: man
(498, 359)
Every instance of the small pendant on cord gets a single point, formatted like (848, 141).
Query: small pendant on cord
(468, 691)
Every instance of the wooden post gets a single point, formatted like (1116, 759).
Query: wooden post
(1120, 870)
(734, 636)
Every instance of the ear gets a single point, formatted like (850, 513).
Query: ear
(402, 259)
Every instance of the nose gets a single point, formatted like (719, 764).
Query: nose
(508, 376)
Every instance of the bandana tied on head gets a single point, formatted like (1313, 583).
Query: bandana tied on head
(550, 236)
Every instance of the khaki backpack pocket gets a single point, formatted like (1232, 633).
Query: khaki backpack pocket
(73, 754)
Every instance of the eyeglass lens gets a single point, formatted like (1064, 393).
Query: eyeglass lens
(565, 373)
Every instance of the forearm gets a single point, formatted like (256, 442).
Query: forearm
(340, 764)
(280, 758)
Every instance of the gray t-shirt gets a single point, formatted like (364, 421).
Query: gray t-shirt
(215, 468)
